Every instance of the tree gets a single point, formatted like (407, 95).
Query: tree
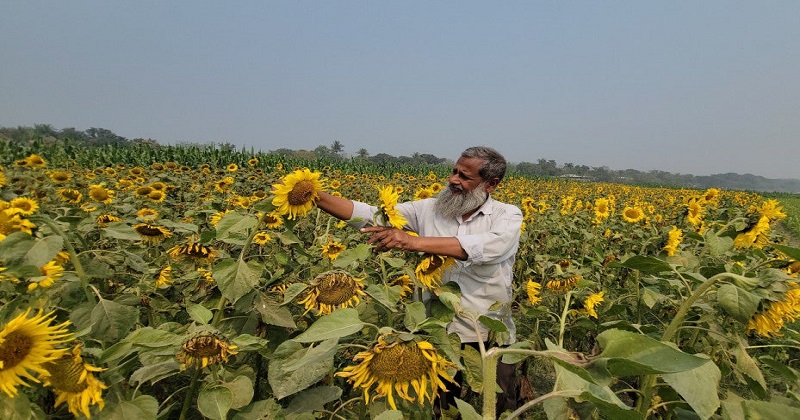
(337, 148)
(362, 153)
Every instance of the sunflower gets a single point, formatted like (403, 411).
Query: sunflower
(602, 209)
(216, 217)
(632, 214)
(253, 161)
(694, 212)
(2, 179)
(673, 241)
(100, 194)
(533, 289)
(232, 167)
(25, 345)
(51, 272)
(389, 196)
(147, 214)
(261, 238)
(24, 205)
(164, 277)
(332, 290)
(224, 184)
(157, 196)
(60, 177)
(405, 283)
(394, 365)
(193, 251)
(74, 383)
(770, 321)
(35, 161)
(152, 233)
(756, 236)
(105, 219)
(11, 221)
(591, 303)
(143, 191)
(564, 283)
(297, 193)
(332, 249)
(272, 220)
(423, 193)
(429, 271)
(205, 348)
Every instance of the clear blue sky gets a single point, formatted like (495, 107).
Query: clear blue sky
(694, 87)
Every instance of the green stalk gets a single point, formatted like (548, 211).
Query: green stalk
(192, 388)
(73, 256)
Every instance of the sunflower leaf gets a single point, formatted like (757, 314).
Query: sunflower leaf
(214, 402)
(339, 323)
(286, 381)
(112, 320)
(236, 278)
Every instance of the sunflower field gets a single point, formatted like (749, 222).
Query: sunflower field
(191, 282)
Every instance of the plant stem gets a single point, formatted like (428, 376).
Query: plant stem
(73, 256)
(192, 388)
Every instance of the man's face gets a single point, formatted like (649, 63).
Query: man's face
(465, 176)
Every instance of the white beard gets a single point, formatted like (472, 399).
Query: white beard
(453, 205)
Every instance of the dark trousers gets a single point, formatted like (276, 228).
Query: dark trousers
(506, 380)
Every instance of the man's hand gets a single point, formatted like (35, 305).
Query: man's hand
(386, 238)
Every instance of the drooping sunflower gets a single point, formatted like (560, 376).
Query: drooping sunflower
(332, 249)
(675, 236)
(533, 289)
(150, 233)
(405, 283)
(204, 349)
(164, 277)
(771, 320)
(25, 345)
(297, 193)
(332, 290)
(105, 219)
(563, 283)
(397, 366)
(389, 196)
(74, 383)
(429, 271)
(591, 303)
(193, 251)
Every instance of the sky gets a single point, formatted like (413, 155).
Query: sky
(690, 87)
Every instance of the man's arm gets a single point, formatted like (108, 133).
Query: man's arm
(338, 207)
(386, 238)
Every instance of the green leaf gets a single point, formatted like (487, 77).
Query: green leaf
(780, 367)
(43, 250)
(415, 315)
(626, 353)
(314, 399)
(151, 337)
(645, 264)
(339, 323)
(242, 391)
(122, 231)
(272, 312)
(236, 278)
(380, 294)
(758, 410)
(199, 313)
(112, 321)
(737, 302)
(748, 367)
(233, 228)
(492, 324)
(467, 411)
(261, 410)
(793, 253)
(143, 407)
(156, 372)
(699, 387)
(16, 408)
(717, 245)
(575, 379)
(390, 415)
(473, 367)
(15, 246)
(287, 376)
(215, 402)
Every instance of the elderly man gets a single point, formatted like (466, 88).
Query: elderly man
(464, 222)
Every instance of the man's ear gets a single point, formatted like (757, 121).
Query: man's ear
(492, 184)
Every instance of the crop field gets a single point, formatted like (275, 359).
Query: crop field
(193, 282)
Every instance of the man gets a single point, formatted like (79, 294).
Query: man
(464, 222)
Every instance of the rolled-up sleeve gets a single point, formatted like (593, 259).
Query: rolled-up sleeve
(363, 214)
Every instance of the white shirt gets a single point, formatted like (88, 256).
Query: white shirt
(490, 238)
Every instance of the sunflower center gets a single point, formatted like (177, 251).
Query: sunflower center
(400, 363)
(14, 349)
(336, 289)
(149, 231)
(65, 375)
(302, 193)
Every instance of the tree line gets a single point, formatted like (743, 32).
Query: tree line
(545, 168)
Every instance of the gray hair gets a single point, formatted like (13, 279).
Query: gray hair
(494, 164)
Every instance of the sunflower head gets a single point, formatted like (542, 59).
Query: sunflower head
(297, 193)
(430, 270)
(74, 383)
(332, 290)
(152, 233)
(205, 348)
(332, 250)
(193, 251)
(413, 369)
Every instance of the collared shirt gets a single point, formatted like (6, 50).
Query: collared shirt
(490, 238)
